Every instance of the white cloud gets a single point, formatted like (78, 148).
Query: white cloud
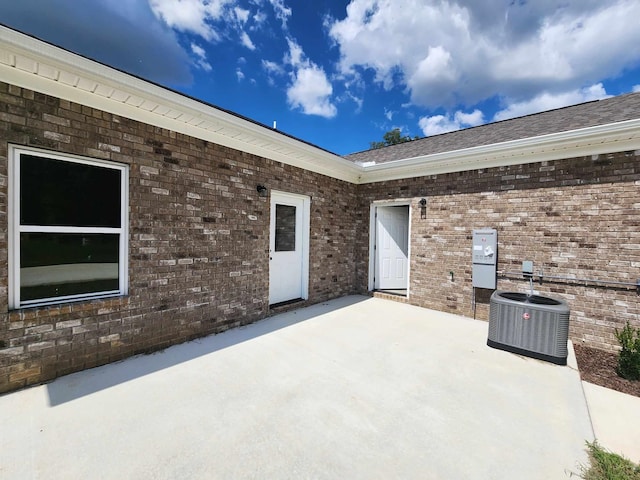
(273, 71)
(355, 99)
(272, 67)
(282, 12)
(198, 50)
(192, 16)
(259, 18)
(242, 15)
(433, 75)
(438, 124)
(548, 101)
(246, 41)
(469, 51)
(470, 119)
(295, 56)
(310, 90)
(239, 74)
(212, 20)
(201, 57)
(636, 88)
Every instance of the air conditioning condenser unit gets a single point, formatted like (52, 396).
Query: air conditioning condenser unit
(530, 325)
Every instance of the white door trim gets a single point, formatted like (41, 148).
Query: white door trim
(306, 225)
(372, 239)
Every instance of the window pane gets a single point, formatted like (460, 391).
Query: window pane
(285, 228)
(55, 193)
(60, 264)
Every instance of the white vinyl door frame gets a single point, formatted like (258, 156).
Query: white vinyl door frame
(372, 239)
(279, 197)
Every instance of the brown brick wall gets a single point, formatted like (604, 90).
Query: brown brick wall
(198, 240)
(578, 217)
(199, 235)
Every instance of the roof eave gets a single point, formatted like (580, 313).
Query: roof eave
(600, 139)
(30, 63)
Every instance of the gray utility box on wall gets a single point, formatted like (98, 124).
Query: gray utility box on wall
(485, 254)
(530, 325)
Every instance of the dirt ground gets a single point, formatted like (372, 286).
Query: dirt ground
(599, 367)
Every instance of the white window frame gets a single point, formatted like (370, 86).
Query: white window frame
(15, 228)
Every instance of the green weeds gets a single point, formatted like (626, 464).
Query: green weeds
(606, 465)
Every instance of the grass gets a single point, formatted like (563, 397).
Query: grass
(606, 465)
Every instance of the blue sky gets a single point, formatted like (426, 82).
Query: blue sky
(339, 74)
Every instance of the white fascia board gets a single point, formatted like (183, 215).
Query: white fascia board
(601, 139)
(256, 139)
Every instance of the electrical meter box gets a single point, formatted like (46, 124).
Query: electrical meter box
(485, 258)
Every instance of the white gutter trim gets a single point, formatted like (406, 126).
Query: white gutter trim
(39, 66)
(600, 139)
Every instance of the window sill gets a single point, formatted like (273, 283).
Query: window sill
(115, 302)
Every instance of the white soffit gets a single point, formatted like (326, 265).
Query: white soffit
(36, 65)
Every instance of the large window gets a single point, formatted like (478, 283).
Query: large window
(68, 228)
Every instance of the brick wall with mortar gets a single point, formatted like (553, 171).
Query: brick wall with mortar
(578, 217)
(198, 240)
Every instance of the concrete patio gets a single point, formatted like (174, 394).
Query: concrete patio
(357, 387)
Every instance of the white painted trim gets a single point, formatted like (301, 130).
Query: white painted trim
(409, 251)
(372, 246)
(36, 65)
(13, 244)
(56, 229)
(68, 299)
(124, 237)
(372, 238)
(601, 139)
(306, 234)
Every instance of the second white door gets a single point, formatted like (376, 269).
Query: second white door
(288, 249)
(392, 248)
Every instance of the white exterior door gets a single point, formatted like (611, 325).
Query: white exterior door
(392, 248)
(289, 247)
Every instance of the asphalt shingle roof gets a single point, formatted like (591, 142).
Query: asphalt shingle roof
(589, 114)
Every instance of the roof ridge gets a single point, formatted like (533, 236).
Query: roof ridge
(496, 122)
(498, 125)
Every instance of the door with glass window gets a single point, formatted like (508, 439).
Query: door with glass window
(288, 249)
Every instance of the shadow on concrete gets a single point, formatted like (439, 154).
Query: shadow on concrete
(80, 384)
